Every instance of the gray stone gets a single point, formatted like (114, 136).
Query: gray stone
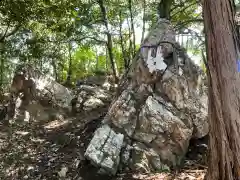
(104, 149)
(92, 103)
(146, 159)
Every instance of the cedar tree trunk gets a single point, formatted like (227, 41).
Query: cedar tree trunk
(224, 86)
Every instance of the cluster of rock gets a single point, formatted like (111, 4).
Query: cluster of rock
(53, 99)
(89, 98)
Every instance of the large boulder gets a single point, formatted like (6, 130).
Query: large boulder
(43, 86)
(161, 107)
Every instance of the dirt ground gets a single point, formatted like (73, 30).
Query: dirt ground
(53, 150)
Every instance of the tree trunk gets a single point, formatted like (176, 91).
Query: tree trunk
(224, 90)
(130, 46)
(144, 13)
(164, 9)
(97, 59)
(2, 69)
(109, 39)
(69, 74)
(55, 71)
(132, 26)
(106, 53)
(122, 42)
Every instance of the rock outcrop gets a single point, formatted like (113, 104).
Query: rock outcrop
(162, 105)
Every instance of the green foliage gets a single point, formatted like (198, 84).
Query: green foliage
(84, 62)
(39, 32)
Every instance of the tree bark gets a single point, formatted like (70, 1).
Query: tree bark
(109, 39)
(2, 68)
(144, 13)
(164, 8)
(68, 81)
(106, 64)
(122, 42)
(55, 72)
(132, 26)
(130, 48)
(97, 59)
(224, 87)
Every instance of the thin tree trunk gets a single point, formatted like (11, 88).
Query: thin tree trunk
(69, 75)
(132, 26)
(55, 69)
(97, 59)
(130, 48)
(224, 90)
(144, 13)
(106, 52)
(121, 42)
(41, 65)
(2, 68)
(3, 36)
(109, 39)
(55, 66)
(187, 43)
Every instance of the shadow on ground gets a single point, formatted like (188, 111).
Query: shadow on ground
(48, 150)
(51, 149)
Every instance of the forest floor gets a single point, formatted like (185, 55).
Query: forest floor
(55, 150)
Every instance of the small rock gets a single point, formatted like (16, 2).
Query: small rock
(165, 168)
(104, 149)
(77, 162)
(63, 172)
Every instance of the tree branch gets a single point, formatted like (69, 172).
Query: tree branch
(182, 10)
(184, 23)
(195, 34)
(73, 39)
(13, 31)
(5, 33)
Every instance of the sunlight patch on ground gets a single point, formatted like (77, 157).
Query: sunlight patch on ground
(37, 140)
(185, 174)
(55, 124)
(27, 116)
(11, 171)
(161, 176)
(22, 133)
